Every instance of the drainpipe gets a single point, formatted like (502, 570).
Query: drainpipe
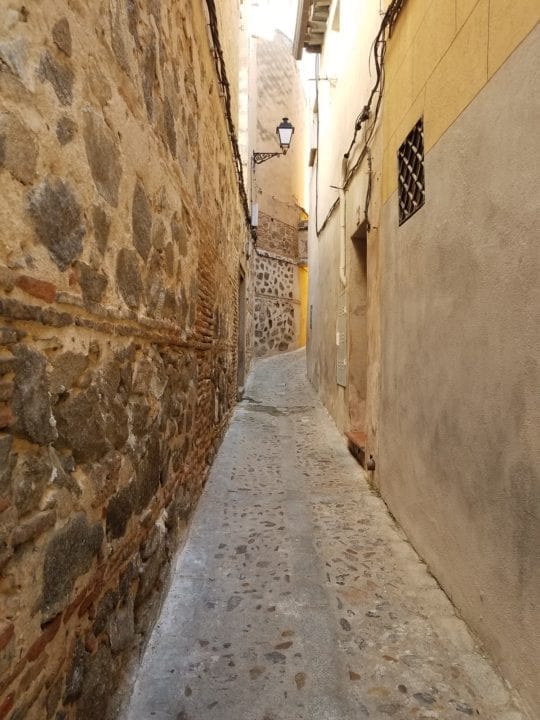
(342, 220)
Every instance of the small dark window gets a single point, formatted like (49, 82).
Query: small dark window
(411, 184)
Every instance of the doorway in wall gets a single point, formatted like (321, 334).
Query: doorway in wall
(241, 352)
(358, 337)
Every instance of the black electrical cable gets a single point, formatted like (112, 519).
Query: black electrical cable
(378, 50)
(317, 231)
(224, 82)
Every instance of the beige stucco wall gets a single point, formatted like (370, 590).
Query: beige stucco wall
(459, 449)
(343, 90)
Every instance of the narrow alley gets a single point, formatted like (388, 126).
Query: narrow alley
(296, 597)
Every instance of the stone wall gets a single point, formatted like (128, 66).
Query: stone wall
(277, 236)
(276, 304)
(121, 236)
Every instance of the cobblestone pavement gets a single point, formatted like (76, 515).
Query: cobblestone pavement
(296, 597)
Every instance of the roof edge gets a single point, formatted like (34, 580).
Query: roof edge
(301, 28)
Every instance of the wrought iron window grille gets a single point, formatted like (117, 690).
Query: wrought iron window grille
(411, 178)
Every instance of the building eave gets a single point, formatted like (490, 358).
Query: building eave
(311, 26)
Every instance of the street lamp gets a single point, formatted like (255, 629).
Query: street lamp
(284, 132)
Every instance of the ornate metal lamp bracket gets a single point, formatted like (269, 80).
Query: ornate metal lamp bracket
(260, 157)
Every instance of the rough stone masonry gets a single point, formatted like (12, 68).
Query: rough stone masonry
(121, 234)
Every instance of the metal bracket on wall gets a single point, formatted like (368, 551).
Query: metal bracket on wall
(260, 157)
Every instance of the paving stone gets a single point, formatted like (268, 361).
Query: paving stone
(295, 596)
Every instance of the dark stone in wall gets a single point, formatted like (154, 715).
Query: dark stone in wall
(29, 479)
(93, 283)
(63, 466)
(141, 216)
(158, 234)
(102, 227)
(103, 476)
(106, 607)
(121, 627)
(148, 72)
(67, 368)
(128, 277)
(169, 126)
(53, 697)
(170, 308)
(57, 220)
(192, 132)
(119, 511)
(18, 148)
(59, 75)
(117, 39)
(77, 671)
(179, 235)
(92, 423)
(103, 156)
(31, 400)
(62, 36)
(169, 259)
(7, 463)
(148, 473)
(65, 130)
(149, 576)
(97, 687)
(139, 412)
(69, 554)
(133, 20)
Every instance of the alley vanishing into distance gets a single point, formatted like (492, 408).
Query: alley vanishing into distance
(296, 597)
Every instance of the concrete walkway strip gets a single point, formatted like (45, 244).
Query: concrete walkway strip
(296, 597)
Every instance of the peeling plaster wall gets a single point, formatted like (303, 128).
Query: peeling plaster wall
(121, 237)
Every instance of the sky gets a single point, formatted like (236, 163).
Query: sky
(268, 15)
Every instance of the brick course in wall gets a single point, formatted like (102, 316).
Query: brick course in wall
(118, 323)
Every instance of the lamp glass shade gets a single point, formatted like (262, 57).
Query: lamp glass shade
(285, 132)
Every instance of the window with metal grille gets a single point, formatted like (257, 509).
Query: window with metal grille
(411, 183)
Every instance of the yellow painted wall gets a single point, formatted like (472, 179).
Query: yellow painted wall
(439, 57)
(303, 295)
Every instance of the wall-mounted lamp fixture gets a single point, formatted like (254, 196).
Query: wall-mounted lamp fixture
(284, 132)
